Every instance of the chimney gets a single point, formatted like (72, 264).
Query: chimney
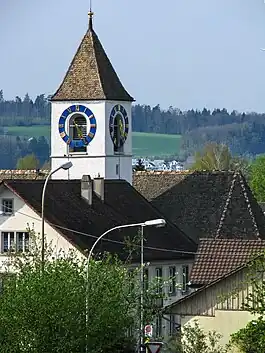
(98, 187)
(87, 188)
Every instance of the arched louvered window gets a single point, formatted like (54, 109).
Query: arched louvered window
(118, 133)
(78, 132)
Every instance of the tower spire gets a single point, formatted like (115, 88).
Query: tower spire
(90, 15)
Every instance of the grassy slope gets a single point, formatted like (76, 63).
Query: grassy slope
(144, 144)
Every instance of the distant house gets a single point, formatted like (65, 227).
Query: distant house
(219, 274)
(204, 204)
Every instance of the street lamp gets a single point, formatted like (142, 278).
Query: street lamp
(152, 223)
(64, 166)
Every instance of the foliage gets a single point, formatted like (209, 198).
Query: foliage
(139, 167)
(218, 157)
(193, 339)
(46, 311)
(28, 162)
(250, 339)
(213, 157)
(257, 178)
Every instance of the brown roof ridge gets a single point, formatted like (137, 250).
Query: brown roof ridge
(245, 190)
(186, 171)
(226, 204)
(214, 240)
(23, 171)
(93, 43)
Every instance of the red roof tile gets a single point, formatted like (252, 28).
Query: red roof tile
(217, 257)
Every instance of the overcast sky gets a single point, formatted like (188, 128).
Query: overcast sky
(184, 53)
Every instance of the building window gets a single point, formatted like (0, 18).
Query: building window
(172, 280)
(117, 169)
(158, 327)
(185, 277)
(15, 241)
(159, 277)
(118, 133)
(172, 325)
(78, 132)
(7, 206)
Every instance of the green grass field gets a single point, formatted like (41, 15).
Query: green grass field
(147, 145)
(144, 144)
(30, 131)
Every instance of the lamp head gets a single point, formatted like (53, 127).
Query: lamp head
(160, 222)
(67, 165)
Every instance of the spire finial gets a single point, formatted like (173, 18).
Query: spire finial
(90, 14)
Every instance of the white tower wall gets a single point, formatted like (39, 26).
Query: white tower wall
(100, 159)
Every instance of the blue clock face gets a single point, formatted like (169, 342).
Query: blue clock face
(118, 125)
(83, 124)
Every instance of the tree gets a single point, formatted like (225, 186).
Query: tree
(213, 157)
(251, 339)
(257, 178)
(193, 339)
(46, 165)
(43, 149)
(139, 167)
(28, 162)
(218, 157)
(46, 311)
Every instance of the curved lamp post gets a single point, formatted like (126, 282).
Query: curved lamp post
(152, 223)
(64, 166)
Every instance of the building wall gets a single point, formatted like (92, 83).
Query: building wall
(228, 294)
(23, 219)
(224, 322)
(218, 307)
(165, 326)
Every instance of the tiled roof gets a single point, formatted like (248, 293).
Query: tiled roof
(152, 184)
(122, 204)
(23, 174)
(217, 257)
(204, 204)
(91, 75)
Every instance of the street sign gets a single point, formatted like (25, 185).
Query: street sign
(154, 347)
(148, 330)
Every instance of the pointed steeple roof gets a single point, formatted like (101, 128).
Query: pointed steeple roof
(91, 75)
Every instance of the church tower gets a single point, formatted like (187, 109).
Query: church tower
(91, 117)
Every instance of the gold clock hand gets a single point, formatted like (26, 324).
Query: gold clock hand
(79, 131)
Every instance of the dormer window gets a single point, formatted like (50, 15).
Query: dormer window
(7, 206)
(78, 133)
